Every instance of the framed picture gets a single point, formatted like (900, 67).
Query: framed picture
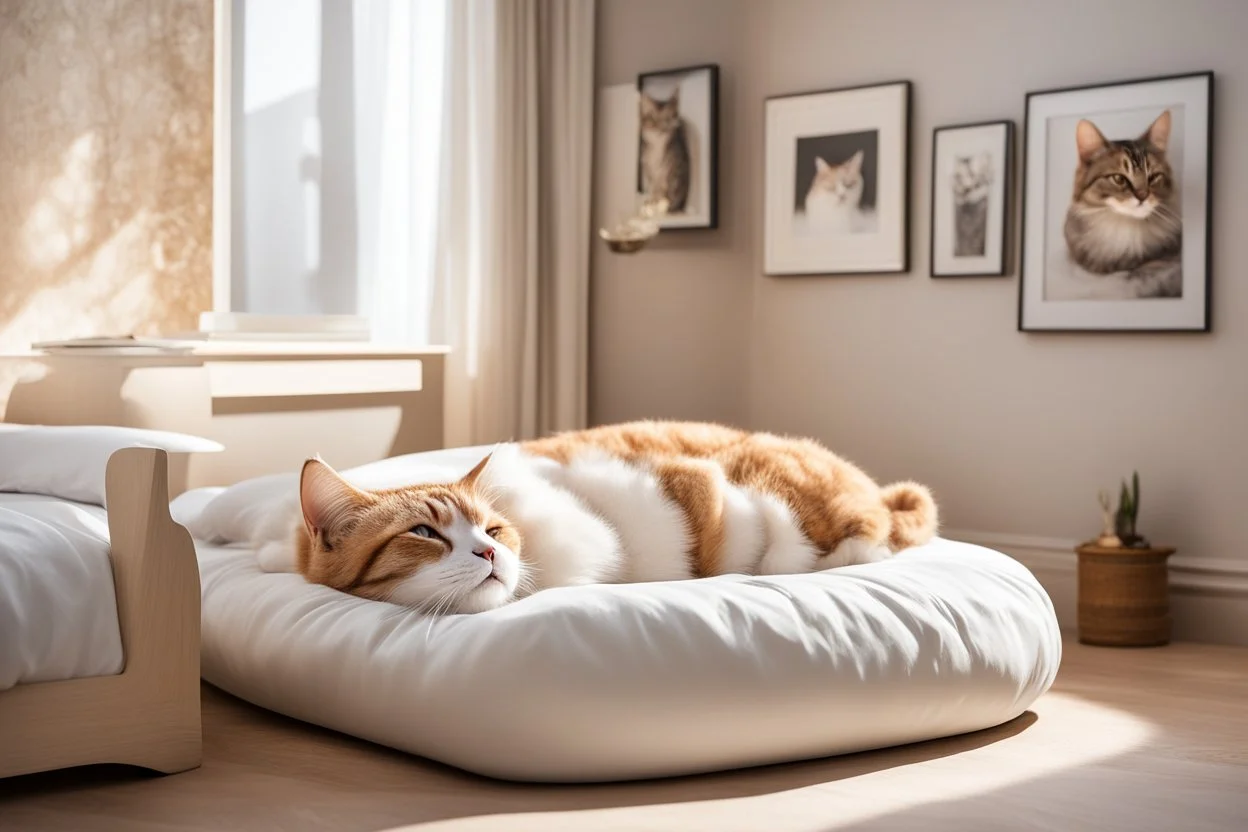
(972, 168)
(678, 144)
(838, 181)
(1116, 207)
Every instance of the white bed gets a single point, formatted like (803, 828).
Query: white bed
(58, 603)
(99, 608)
(602, 683)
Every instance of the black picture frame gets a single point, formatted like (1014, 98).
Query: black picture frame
(711, 220)
(1006, 185)
(1205, 324)
(904, 161)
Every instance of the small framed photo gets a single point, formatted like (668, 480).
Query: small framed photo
(1116, 207)
(838, 181)
(678, 144)
(972, 167)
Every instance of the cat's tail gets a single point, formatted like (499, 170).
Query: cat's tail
(914, 514)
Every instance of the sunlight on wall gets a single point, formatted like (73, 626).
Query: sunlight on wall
(58, 223)
(105, 169)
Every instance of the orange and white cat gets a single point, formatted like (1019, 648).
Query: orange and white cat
(643, 501)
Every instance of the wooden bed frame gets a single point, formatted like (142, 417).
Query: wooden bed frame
(148, 715)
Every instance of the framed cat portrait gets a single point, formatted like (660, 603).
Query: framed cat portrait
(678, 144)
(1117, 197)
(972, 168)
(837, 182)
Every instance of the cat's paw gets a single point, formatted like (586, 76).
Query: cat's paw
(853, 550)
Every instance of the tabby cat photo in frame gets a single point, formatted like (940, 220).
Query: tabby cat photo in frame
(678, 144)
(972, 166)
(1116, 207)
(837, 182)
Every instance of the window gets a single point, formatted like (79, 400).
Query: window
(330, 185)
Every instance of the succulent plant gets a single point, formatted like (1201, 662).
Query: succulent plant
(1129, 512)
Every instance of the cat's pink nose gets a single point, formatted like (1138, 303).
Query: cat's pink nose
(488, 554)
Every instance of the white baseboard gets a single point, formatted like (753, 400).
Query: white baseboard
(1208, 596)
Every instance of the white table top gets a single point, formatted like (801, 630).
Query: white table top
(238, 351)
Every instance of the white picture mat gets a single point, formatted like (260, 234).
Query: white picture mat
(696, 111)
(883, 109)
(966, 141)
(1187, 312)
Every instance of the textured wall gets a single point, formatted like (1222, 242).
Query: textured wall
(105, 167)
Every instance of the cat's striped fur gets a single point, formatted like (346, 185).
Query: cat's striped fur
(1124, 210)
(664, 159)
(642, 501)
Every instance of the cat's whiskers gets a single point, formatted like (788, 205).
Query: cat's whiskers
(1167, 214)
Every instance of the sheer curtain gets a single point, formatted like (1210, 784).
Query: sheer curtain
(475, 123)
(399, 70)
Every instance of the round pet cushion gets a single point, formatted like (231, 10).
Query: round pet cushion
(603, 683)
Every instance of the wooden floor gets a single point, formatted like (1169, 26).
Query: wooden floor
(1137, 740)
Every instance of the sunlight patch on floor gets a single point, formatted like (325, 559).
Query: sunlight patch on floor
(1069, 733)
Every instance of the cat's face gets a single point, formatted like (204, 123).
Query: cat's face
(660, 115)
(972, 175)
(842, 183)
(1131, 178)
(438, 548)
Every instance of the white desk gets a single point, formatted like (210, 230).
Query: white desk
(271, 404)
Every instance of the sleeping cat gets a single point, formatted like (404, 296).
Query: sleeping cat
(1124, 215)
(834, 199)
(637, 502)
(664, 152)
(972, 183)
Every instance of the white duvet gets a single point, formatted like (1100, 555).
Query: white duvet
(601, 683)
(58, 609)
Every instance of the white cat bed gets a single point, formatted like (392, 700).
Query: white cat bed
(602, 683)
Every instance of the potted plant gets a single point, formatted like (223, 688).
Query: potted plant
(1128, 513)
(1124, 592)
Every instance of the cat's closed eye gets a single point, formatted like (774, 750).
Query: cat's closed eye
(424, 531)
(1119, 180)
(493, 531)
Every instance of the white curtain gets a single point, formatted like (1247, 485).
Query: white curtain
(399, 63)
(475, 200)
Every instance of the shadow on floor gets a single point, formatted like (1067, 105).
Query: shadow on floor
(301, 768)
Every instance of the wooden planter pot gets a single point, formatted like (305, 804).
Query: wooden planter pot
(1124, 596)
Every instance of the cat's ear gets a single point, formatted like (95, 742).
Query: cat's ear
(1158, 133)
(821, 166)
(1088, 140)
(673, 100)
(469, 480)
(328, 501)
(854, 165)
(647, 104)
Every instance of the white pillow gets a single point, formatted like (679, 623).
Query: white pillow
(69, 461)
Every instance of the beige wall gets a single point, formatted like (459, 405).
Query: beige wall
(668, 329)
(105, 168)
(914, 377)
